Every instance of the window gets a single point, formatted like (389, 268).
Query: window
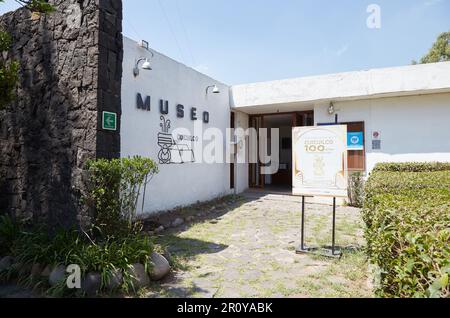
(356, 158)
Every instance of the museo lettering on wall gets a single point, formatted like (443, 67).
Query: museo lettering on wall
(174, 148)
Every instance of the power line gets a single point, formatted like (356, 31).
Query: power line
(171, 29)
(133, 29)
(186, 35)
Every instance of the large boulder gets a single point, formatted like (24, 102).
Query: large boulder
(140, 279)
(57, 276)
(91, 284)
(6, 263)
(160, 268)
(115, 280)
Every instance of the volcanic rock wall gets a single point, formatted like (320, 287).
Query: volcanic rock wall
(70, 72)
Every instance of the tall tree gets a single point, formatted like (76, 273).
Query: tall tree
(9, 69)
(440, 52)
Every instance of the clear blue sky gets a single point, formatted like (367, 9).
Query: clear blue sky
(238, 41)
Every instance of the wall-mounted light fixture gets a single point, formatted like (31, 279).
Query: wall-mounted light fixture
(145, 45)
(145, 66)
(215, 89)
(331, 109)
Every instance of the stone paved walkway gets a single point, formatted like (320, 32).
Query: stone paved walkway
(246, 248)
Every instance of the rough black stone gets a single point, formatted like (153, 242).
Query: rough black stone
(70, 72)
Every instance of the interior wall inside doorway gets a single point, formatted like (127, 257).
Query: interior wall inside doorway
(282, 180)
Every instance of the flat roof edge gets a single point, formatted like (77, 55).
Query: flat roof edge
(243, 108)
(377, 83)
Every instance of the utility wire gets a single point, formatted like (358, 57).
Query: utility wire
(186, 35)
(171, 29)
(134, 29)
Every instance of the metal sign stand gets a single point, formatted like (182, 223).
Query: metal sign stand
(333, 252)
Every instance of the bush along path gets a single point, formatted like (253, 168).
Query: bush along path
(116, 266)
(110, 256)
(407, 214)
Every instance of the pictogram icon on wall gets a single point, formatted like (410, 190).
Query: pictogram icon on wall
(172, 152)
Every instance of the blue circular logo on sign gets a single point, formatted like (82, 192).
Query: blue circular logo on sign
(354, 140)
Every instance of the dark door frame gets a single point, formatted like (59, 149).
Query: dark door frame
(233, 164)
(295, 116)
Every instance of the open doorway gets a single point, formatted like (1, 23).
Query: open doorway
(282, 180)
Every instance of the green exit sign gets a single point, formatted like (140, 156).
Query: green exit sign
(109, 121)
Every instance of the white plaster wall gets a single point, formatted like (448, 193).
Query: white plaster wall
(175, 185)
(414, 128)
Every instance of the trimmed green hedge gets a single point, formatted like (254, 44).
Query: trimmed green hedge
(407, 213)
(413, 167)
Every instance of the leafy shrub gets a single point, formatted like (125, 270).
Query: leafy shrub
(407, 214)
(8, 81)
(38, 5)
(356, 189)
(9, 231)
(5, 41)
(413, 167)
(113, 190)
(70, 247)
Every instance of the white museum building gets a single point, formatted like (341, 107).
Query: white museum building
(402, 114)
